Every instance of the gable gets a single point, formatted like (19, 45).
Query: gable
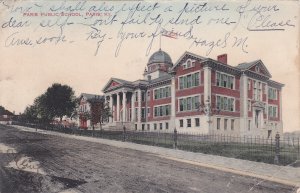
(113, 84)
(260, 68)
(185, 57)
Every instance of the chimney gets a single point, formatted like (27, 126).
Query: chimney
(222, 58)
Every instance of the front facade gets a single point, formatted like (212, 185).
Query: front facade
(198, 95)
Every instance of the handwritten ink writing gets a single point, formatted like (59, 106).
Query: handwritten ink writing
(96, 34)
(12, 40)
(265, 23)
(105, 23)
(15, 24)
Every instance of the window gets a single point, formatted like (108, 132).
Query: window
(164, 92)
(190, 80)
(155, 126)
(148, 111)
(136, 113)
(257, 68)
(188, 64)
(218, 123)
(249, 105)
(249, 84)
(135, 126)
(225, 124)
(232, 124)
(143, 113)
(257, 90)
(148, 127)
(272, 93)
(273, 111)
(136, 96)
(181, 123)
(143, 127)
(225, 103)
(167, 125)
(160, 126)
(148, 95)
(189, 103)
(143, 96)
(224, 80)
(197, 122)
(189, 122)
(249, 125)
(160, 111)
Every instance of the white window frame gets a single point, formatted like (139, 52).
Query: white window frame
(167, 104)
(185, 97)
(228, 97)
(233, 87)
(162, 87)
(194, 72)
(185, 65)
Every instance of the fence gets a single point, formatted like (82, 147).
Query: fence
(275, 151)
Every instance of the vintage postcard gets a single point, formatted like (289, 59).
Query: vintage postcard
(149, 96)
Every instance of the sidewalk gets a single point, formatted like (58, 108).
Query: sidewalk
(281, 174)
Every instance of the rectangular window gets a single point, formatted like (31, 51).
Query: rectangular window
(148, 111)
(225, 103)
(148, 127)
(273, 111)
(189, 122)
(249, 105)
(189, 103)
(181, 123)
(225, 80)
(190, 80)
(181, 83)
(164, 92)
(232, 124)
(160, 126)
(249, 125)
(167, 125)
(143, 96)
(249, 84)
(155, 126)
(218, 123)
(136, 96)
(218, 79)
(160, 111)
(136, 113)
(225, 124)
(143, 127)
(272, 93)
(197, 122)
(143, 113)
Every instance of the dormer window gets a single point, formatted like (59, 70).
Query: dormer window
(188, 64)
(257, 68)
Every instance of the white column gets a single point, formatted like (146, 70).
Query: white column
(244, 104)
(124, 106)
(173, 103)
(207, 96)
(118, 107)
(132, 107)
(139, 105)
(207, 83)
(111, 107)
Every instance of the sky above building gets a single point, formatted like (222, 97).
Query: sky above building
(85, 43)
